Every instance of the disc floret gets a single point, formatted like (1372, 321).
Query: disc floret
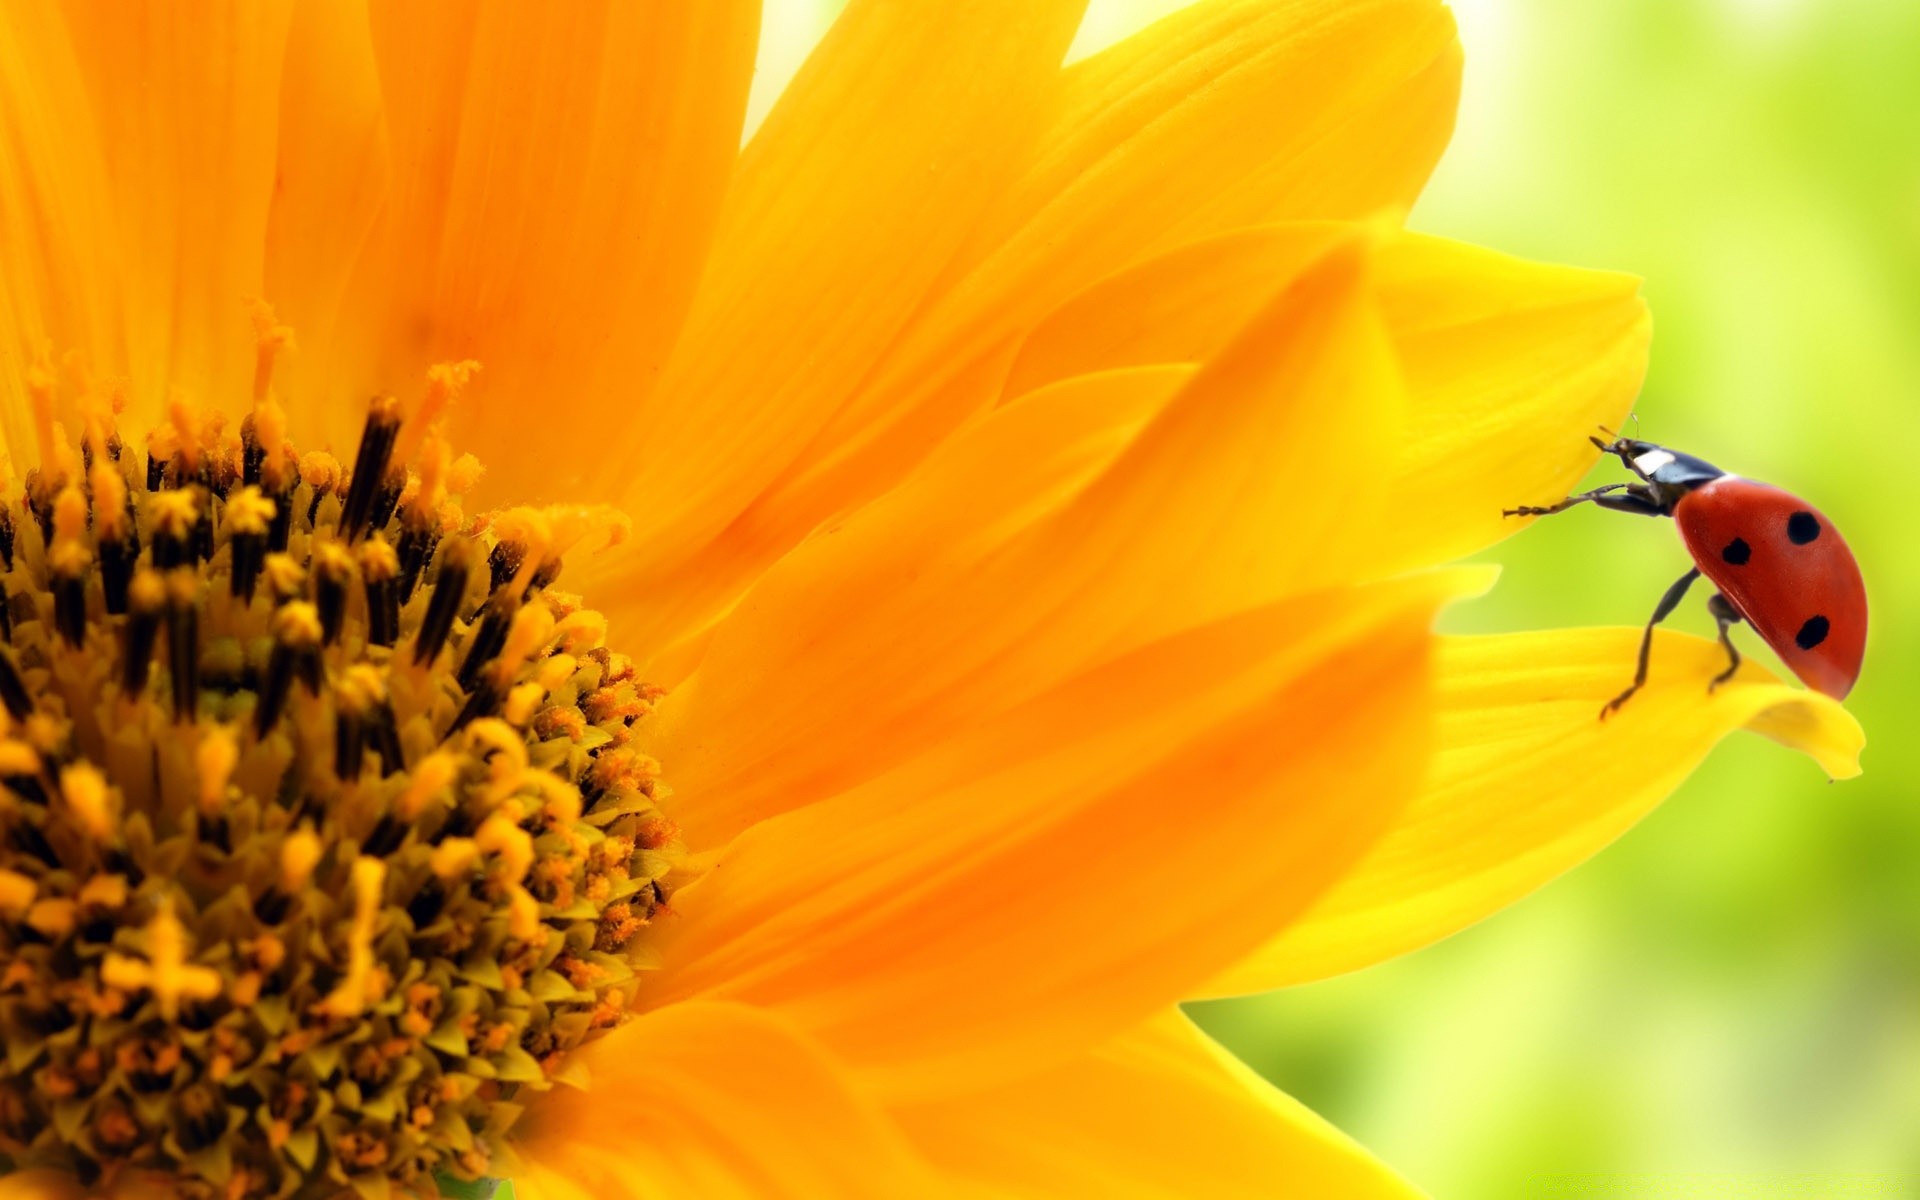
(323, 836)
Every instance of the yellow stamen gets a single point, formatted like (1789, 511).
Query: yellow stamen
(41, 384)
(270, 339)
(18, 758)
(299, 855)
(218, 752)
(523, 913)
(499, 835)
(109, 499)
(453, 857)
(445, 382)
(250, 512)
(104, 891)
(186, 433)
(167, 973)
(430, 777)
(70, 552)
(17, 893)
(89, 799)
(358, 989)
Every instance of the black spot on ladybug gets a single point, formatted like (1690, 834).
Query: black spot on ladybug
(1812, 633)
(1803, 527)
(1737, 552)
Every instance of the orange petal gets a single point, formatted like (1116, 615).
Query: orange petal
(39, 1185)
(710, 1100)
(186, 97)
(1152, 148)
(60, 290)
(1528, 782)
(1505, 362)
(1181, 306)
(334, 174)
(847, 206)
(914, 565)
(1060, 873)
(55, 1185)
(558, 171)
(669, 607)
(1161, 1111)
(967, 603)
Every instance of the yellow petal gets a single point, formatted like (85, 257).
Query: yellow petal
(847, 206)
(710, 1100)
(1173, 136)
(1232, 496)
(1167, 138)
(1161, 1111)
(1505, 363)
(1059, 874)
(1528, 782)
(558, 173)
(187, 98)
(60, 289)
(1508, 365)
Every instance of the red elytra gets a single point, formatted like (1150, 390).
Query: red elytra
(1795, 581)
(1780, 565)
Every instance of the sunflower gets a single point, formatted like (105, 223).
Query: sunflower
(811, 652)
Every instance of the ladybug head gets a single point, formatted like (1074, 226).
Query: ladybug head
(1668, 469)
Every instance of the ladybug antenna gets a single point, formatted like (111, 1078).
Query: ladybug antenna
(1635, 418)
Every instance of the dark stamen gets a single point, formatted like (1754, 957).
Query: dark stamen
(486, 641)
(281, 531)
(332, 570)
(502, 563)
(147, 598)
(117, 559)
(415, 550)
(386, 501)
(442, 607)
(349, 744)
(385, 838)
(483, 702)
(249, 554)
(13, 689)
(183, 649)
(252, 454)
(370, 465)
(383, 611)
(70, 607)
(274, 688)
(384, 732)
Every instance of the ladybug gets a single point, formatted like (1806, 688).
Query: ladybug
(1780, 566)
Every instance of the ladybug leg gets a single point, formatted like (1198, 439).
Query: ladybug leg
(1667, 604)
(1637, 500)
(1535, 510)
(1726, 615)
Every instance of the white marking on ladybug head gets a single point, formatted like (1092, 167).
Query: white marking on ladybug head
(1652, 461)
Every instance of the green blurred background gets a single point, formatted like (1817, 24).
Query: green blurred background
(1733, 990)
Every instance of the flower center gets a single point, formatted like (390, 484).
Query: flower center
(320, 833)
